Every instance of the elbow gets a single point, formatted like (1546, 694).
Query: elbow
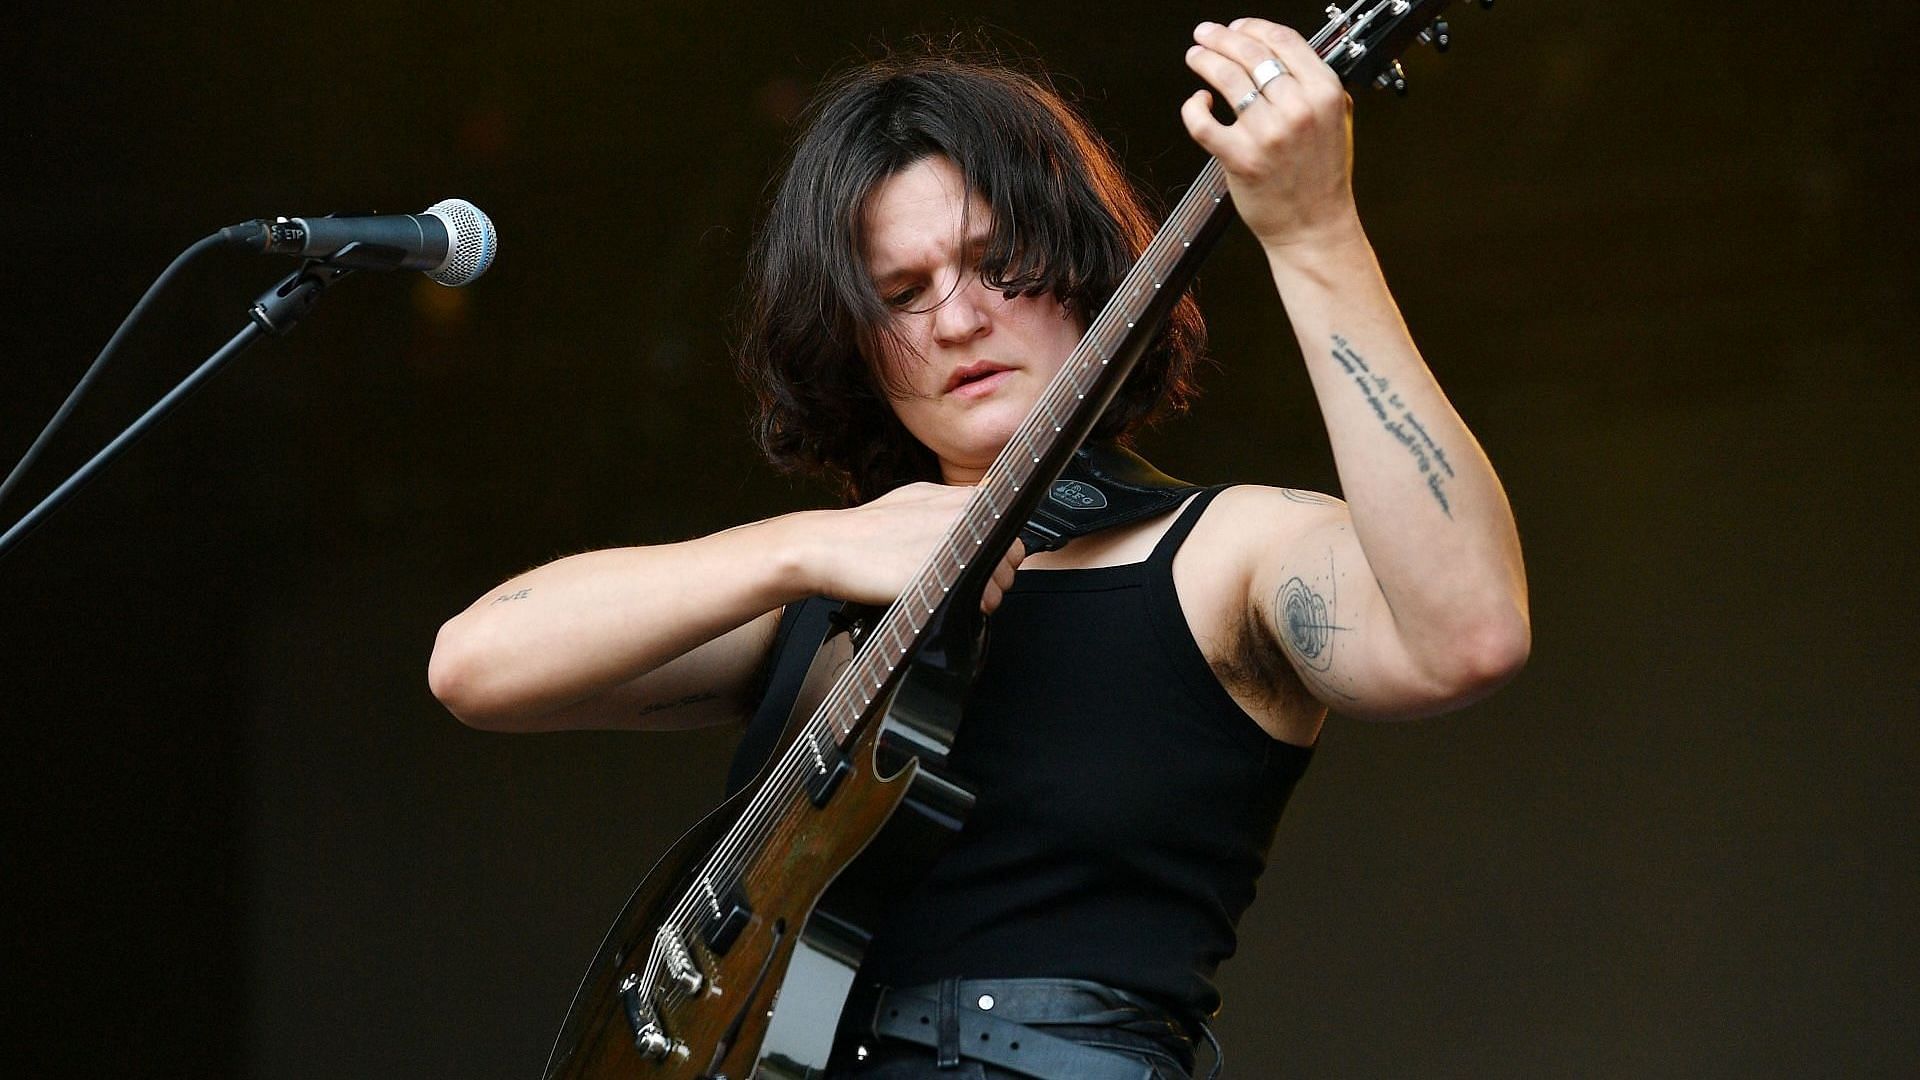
(454, 676)
(1483, 657)
(1501, 650)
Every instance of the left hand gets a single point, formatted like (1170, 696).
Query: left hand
(1289, 154)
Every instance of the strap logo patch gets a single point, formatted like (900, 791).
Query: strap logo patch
(1075, 495)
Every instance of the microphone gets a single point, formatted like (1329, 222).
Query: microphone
(453, 242)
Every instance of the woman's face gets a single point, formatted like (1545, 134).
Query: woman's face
(975, 361)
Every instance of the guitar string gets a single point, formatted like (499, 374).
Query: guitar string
(722, 871)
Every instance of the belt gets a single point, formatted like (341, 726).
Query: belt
(999, 1021)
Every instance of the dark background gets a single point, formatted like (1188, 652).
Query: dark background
(1659, 255)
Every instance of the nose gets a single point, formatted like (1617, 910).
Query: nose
(966, 313)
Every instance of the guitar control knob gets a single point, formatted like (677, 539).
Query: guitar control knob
(653, 1043)
(1437, 36)
(1394, 77)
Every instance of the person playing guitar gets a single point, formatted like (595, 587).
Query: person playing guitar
(944, 234)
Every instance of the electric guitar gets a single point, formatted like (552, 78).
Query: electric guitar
(734, 956)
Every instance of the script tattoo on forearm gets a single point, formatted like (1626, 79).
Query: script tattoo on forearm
(506, 597)
(1399, 421)
(678, 703)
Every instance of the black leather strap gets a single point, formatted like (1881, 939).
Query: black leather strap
(947, 1054)
(1102, 487)
(929, 1016)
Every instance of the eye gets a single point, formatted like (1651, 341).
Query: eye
(900, 298)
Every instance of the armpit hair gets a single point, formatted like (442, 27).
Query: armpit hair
(1254, 665)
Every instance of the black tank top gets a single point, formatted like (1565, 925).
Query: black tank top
(1126, 802)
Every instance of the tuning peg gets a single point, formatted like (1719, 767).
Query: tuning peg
(1395, 77)
(1437, 36)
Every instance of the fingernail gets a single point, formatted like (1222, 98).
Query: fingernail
(1236, 23)
(1206, 28)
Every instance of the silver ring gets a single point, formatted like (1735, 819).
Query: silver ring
(1251, 97)
(1265, 72)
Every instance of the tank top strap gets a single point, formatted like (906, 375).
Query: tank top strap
(1176, 533)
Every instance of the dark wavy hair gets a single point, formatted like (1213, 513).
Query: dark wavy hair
(1065, 221)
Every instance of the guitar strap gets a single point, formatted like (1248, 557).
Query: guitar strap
(1104, 486)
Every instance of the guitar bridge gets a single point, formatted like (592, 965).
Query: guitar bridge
(681, 969)
(648, 1036)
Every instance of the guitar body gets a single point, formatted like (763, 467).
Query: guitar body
(771, 989)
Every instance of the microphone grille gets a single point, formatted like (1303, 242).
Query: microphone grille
(471, 241)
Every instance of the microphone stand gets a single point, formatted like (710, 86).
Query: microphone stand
(275, 312)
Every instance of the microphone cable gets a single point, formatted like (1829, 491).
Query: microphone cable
(173, 269)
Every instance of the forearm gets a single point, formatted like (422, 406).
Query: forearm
(1427, 508)
(581, 626)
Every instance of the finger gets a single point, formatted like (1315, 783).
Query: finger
(1017, 554)
(1197, 114)
(1244, 50)
(1003, 576)
(989, 599)
(1295, 53)
(1221, 71)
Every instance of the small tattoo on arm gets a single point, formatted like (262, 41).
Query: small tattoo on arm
(1398, 421)
(678, 703)
(1311, 498)
(505, 597)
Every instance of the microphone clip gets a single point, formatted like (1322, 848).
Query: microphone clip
(279, 308)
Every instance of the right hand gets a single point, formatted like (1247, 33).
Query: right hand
(868, 553)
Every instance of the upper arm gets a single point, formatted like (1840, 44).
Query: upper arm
(713, 683)
(1312, 590)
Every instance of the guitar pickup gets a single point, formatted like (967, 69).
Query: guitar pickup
(734, 916)
(833, 768)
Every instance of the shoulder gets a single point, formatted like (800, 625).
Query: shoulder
(1243, 534)
(1246, 542)
(1246, 523)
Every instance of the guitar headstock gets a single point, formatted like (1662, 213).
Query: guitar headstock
(1363, 41)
